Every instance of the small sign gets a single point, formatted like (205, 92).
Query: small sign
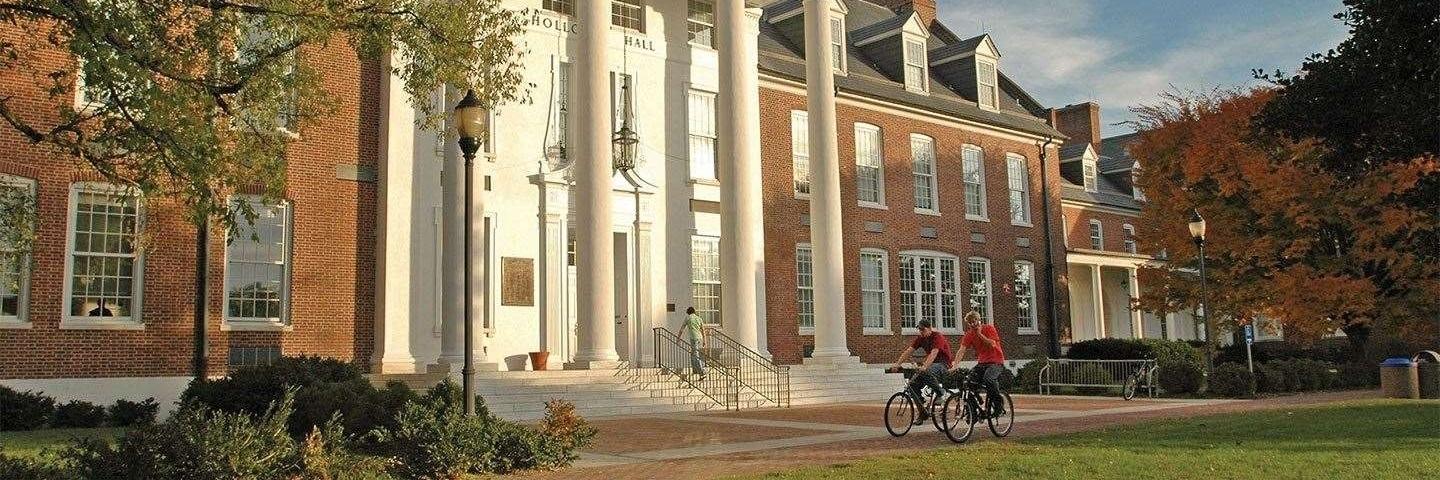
(1249, 334)
(517, 281)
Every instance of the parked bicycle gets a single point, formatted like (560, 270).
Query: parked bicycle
(901, 413)
(963, 409)
(1142, 377)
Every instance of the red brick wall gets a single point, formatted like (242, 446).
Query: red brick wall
(784, 227)
(332, 280)
(1077, 228)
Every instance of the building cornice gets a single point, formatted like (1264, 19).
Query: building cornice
(1066, 202)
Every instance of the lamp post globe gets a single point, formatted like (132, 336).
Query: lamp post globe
(471, 120)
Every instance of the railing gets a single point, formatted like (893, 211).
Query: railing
(756, 373)
(674, 356)
(1097, 374)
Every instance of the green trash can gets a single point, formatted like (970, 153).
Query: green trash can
(1427, 366)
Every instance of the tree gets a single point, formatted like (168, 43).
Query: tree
(194, 98)
(1287, 238)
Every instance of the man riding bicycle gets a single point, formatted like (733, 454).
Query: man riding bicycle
(937, 361)
(985, 340)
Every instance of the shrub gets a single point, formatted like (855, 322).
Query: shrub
(78, 414)
(1110, 349)
(1269, 379)
(323, 387)
(1169, 352)
(1180, 377)
(432, 438)
(1091, 373)
(565, 432)
(1028, 380)
(1358, 375)
(1328, 351)
(23, 468)
(125, 413)
(1232, 380)
(24, 410)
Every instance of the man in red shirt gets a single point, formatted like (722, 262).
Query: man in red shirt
(990, 357)
(937, 361)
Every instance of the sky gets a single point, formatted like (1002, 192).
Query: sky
(1123, 53)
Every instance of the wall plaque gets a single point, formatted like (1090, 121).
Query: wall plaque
(517, 282)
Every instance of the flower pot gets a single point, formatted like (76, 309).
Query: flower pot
(538, 360)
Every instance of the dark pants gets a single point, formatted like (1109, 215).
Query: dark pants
(988, 374)
(930, 377)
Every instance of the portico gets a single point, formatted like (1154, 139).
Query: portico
(1102, 286)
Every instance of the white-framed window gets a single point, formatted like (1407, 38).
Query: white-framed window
(979, 276)
(1088, 174)
(986, 85)
(929, 290)
(628, 14)
(874, 290)
(1028, 321)
(702, 135)
(257, 266)
(1097, 235)
(1019, 178)
(922, 160)
(255, 39)
(869, 164)
(700, 21)
(104, 270)
(800, 151)
(705, 277)
(1129, 231)
(564, 7)
(804, 286)
(14, 265)
(837, 44)
(916, 77)
(972, 161)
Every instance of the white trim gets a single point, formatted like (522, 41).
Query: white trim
(938, 320)
(1096, 234)
(799, 129)
(135, 321)
(798, 288)
(1130, 245)
(994, 84)
(1090, 176)
(1065, 202)
(879, 164)
(884, 290)
(21, 319)
(906, 41)
(934, 173)
(989, 316)
(837, 26)
(1025, 189)
(491, 226)
(281, 323)
(984, 214)
(688, 21)
(691, 97)
(1034, 329)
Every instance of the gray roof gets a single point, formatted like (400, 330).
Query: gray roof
(1114, 189)
(782, 55)
(877, 29)
(1072, 150)
(963, 46)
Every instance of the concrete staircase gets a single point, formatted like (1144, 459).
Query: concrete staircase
(819, 383)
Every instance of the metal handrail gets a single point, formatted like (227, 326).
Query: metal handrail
(720, 384)
(757, 373)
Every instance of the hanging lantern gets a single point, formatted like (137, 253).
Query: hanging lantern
(626, 142)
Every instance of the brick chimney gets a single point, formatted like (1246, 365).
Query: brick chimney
(1080, 122)
(926, 8)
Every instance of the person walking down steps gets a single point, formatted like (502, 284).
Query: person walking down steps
(695, 326)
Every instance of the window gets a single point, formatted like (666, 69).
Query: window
(564, 7)
(701, 22)
(1135, 183)
(257, 260)
(979, 270)
(705, 277)
(562, 107)
(702, 135)
(104, 268)
(1089, 174)
(986, 91)
(1129, 231)
(800, 150)
(873, 290)
(972, 159)
(837, 44)
(255, 40)
(1025, 297)
(869, 164)
(922, 159)
(1019, 177)
(928, 290)
(14, 266)
(916, 78)
(628, 14)
(1097, 235)
(805, 287)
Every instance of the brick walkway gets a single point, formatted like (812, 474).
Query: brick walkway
(715, 444)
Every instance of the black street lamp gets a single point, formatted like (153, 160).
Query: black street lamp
(471, 119)
(1197, 232)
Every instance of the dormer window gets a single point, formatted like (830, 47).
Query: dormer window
(1134, 182)
(1089, 173)
(837, 44)
(917, 78)
(987, 92)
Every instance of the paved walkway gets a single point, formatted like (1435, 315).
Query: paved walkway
(714, 444)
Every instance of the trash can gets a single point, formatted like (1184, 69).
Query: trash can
(1399, 379)
(1427, 367)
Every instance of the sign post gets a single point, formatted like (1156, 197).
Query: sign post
(1249, 339)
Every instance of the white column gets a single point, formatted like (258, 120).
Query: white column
(826, 241)
(554, 196)
(396, 177)
(1137, 322)
(742, 239)
(1097, 281)
(595, 262)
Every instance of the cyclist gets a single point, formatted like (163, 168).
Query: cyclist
(937, 361)
(990, 358)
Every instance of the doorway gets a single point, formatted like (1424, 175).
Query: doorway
(624, 327)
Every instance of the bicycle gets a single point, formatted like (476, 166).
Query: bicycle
(963, 409)
(1139, 379)
(900, 410)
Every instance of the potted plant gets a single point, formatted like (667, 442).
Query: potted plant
(538, 360)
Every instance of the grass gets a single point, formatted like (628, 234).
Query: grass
(31, 443)
(1352, 440)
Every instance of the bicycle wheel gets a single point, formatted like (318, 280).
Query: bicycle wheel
(1000, 426)
(934, 408)
(1131, 385)
(899, 414)
(956, 419)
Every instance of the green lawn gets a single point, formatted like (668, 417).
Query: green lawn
(32, 442)
(1354, 440)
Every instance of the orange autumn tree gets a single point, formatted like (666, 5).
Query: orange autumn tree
(1286, 239)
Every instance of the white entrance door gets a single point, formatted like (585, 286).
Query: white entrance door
(623, 325)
